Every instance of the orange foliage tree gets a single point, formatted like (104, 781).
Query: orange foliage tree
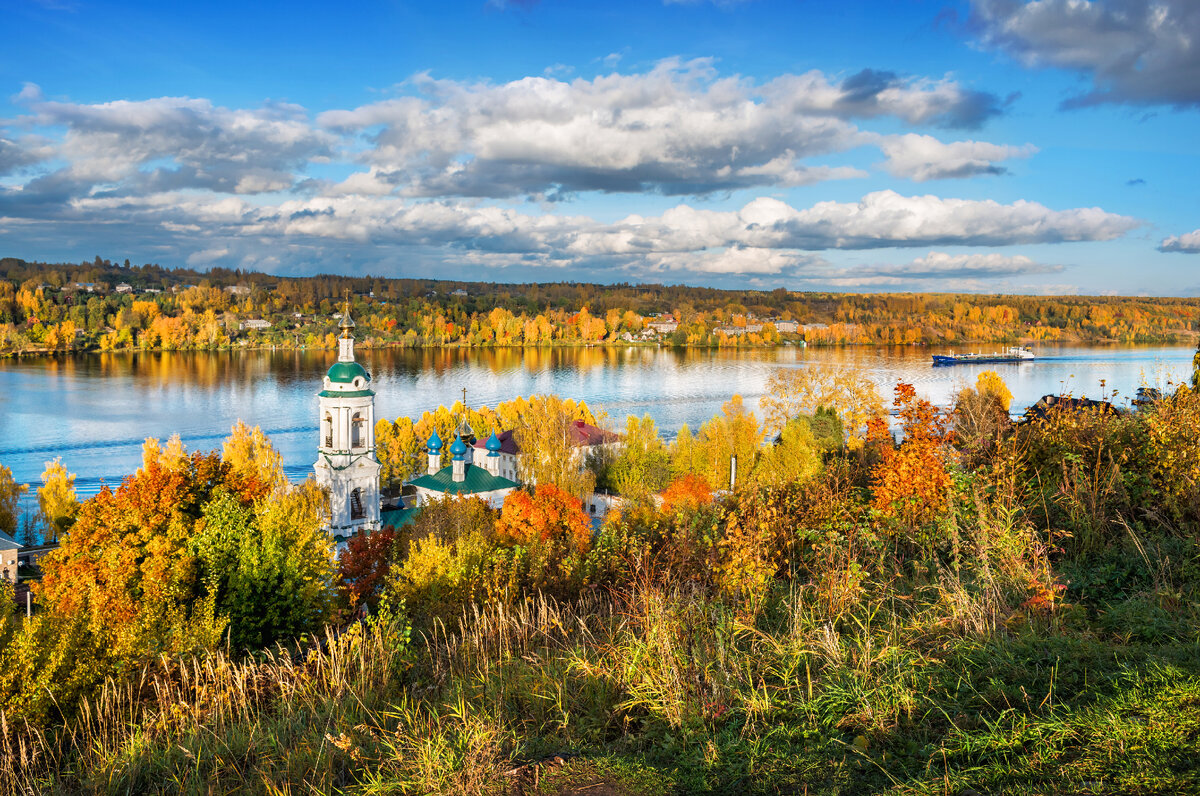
(686, 493)
(549, 516)
(126, 562)
(549, 534)
(910, 484)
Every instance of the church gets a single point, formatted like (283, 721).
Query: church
(346, 463)
(348, 468)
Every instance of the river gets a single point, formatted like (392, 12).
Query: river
(95, 410)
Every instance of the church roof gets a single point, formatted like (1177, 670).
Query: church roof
(347, 372)
(398, 518)
(477, 480)
(507, 443)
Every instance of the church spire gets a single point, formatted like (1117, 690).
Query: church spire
(346, 341)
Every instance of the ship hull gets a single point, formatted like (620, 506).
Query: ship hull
(985, 360)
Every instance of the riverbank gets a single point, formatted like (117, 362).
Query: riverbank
(1183, 337)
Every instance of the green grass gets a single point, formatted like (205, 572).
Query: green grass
(662, 693)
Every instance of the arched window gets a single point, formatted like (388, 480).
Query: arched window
(328, 430)
(356, 431)
(356, 505)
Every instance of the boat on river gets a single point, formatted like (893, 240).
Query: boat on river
(1012, 354)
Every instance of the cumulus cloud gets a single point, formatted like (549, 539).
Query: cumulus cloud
(676, 129)
(938, 265)
(726, 239)
(881, 219)
(1188, 243)
(923, 157)
(1139, 52)
(13, 156)
(874, 93)
(172, 143)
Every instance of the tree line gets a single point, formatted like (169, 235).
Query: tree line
(76, 307)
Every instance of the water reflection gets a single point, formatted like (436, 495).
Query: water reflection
(95, 410)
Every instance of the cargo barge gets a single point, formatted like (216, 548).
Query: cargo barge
(1014, 354)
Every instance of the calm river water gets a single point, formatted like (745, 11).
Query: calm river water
(95, 410)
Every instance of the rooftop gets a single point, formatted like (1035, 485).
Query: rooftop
(477, 480)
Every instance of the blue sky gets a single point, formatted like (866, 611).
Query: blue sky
(981, 146)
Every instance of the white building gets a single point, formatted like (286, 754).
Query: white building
(463, 476)
(256, 323)
(346, 462)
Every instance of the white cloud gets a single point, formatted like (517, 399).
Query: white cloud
(676, 129)
(1188, 243)
(1139, 52)
(177, 142)
(923, 157)
(937, 265)
(872, 93)
(742, 237)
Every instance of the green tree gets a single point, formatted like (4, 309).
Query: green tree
(270, 567)
(643, 464)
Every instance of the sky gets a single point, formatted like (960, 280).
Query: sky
(996, 146)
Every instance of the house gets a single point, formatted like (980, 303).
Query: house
(663, 324)
(238, 290)
(786, 327)
(124, 287)
(255, 323)
(8, 557)
(586, 440)
(1065, 403)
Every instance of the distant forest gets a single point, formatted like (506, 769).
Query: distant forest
(102, 305)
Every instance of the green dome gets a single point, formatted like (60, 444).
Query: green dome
(347, 372)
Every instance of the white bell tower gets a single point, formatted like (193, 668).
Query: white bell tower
(346, 462)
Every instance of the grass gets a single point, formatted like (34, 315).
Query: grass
(650, 692)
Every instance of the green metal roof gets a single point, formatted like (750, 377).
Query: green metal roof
(477, 480)
(398, 518)
(347, 372)
(345, 393)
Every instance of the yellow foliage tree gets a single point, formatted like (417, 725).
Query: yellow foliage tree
(10, 497)
(990, 383)
(57, 502)
(251, 456)
(795, 391)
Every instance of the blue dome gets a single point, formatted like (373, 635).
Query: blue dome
(458, 447)
(493, 445)
(435, 443)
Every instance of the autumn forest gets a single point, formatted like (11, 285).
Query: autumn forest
(106, 306)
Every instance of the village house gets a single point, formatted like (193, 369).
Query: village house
(9, 548)
(663, 324)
